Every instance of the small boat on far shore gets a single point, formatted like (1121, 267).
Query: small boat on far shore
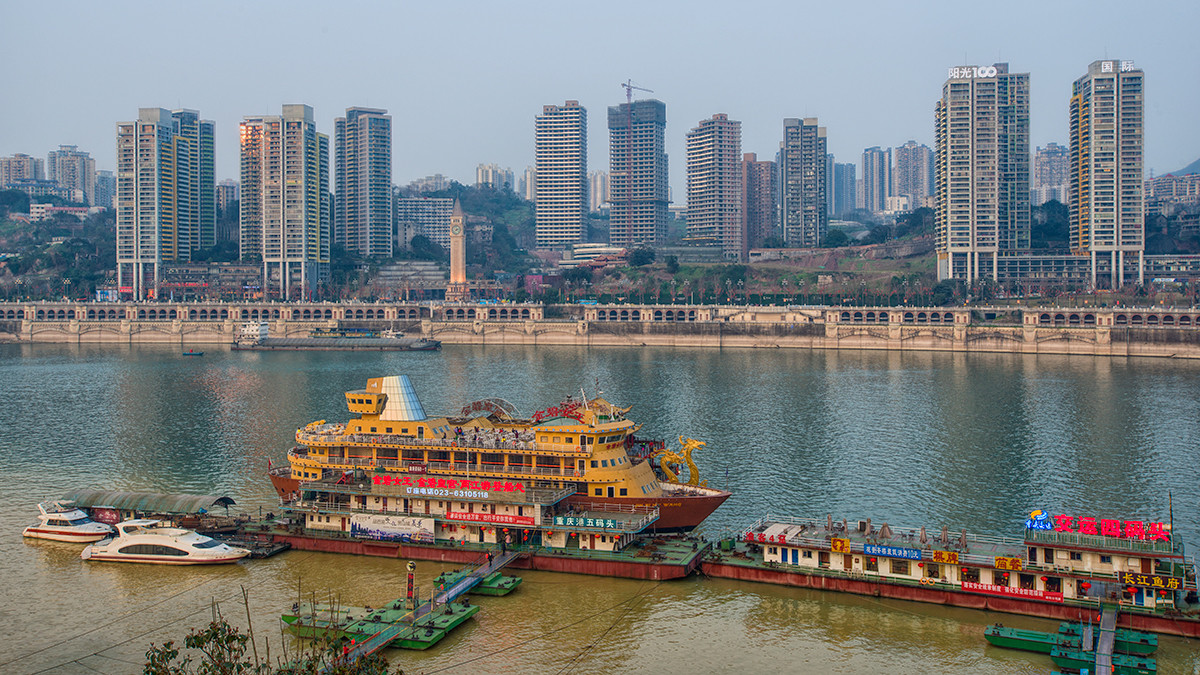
(62, 521)
(192, 352)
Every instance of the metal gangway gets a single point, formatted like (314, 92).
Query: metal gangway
(489, 564)
(1108, 639)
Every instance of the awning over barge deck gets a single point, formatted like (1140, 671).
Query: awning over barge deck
(148, 502)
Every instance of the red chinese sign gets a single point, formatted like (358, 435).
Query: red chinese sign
(1009, 591)
(449, 483)
(1127, 529)
(501, 518)
(762, 538)
(1150, 581)
(569, 409)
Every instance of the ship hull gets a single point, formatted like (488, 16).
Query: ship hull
(676, 512)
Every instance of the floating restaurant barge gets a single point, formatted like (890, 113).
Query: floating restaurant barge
(1065, 568)
(376, 513)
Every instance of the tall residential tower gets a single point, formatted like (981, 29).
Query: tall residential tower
(560, 139)
(877, 178)
(714, 185)
(285, 209)
(637, 182)
(803, 211)
(74, 170)
(982, 169)
(758, 199)
(1107, 201)
(362, 202)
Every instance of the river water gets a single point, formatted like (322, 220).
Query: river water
(969, 441)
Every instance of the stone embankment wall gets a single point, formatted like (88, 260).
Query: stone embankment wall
(1105, 332)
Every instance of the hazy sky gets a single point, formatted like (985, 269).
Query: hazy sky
(464, 80)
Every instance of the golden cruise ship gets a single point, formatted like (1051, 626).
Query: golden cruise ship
(585, 444)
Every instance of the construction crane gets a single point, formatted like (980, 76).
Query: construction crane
(629, 88)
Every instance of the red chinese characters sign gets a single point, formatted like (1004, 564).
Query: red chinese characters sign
(1150, 581)
(1127, 529)
(449, 483)
(1028, 593)
(570, 409)
(947, 557)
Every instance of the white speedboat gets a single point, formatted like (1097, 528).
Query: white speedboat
(62, 521)
(152, 541)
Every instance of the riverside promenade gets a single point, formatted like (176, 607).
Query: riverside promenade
(1120, 331)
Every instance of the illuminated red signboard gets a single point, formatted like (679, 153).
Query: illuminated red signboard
(1126, 529)
(500, 518)
(1009, 591)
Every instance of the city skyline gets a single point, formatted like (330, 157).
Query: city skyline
(451, 138)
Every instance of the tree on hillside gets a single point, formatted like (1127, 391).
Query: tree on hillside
(835, 239)
(641, 256)
(918, 223)
(1050, 225)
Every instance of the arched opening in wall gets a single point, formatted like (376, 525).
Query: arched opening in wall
(274, 314)
(908, 317)
(1185, 321)
(1060, 319)
(1122, 320)
(91, 314)
(1152, 320)
(858, 317)
(691, 315)
(141, 313)
(471, 314)
(869, 317)
(922, 318)
(1073, 319)
(1089, 319)
(1044, 319)
(624, 315)
(1168, 320)
(524, 314)
(41, 314)
(329, 314)
(224, 314)
(658, 315)
(491, 313)
(845, 316)
(1136, 320)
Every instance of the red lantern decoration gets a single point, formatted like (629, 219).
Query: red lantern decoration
(1163, 593)
(964, 570)
(920, 564)
(1045, 579)
(1085, 585)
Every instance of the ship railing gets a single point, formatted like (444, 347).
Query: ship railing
(1097, 541)
(902, 537)
(464, 468)
(524, 442)
(649, 514)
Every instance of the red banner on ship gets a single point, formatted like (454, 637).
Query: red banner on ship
(499, 518)
(1009, 591)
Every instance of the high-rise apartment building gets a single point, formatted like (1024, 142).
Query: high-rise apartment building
(528, 186)
(494, 176)
(227, 194)
(1051, 174)
(21, 167)
(877, 178)
(428, 216)
(362, 200)
(560, 140)
(758, 199)
(285, 209)
(597, 190)
(638, 189)
(150, 181)
(912, 175)
(804, 214)
(73, 170)
(106, 188)
(1107, 207)
(845, 187)
(714, 185)
(981, 169)
(197, 187)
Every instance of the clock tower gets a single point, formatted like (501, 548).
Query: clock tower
(458, 291)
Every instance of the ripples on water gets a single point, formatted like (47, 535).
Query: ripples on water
(972, 441)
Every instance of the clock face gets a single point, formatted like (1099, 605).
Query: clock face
(457, 229)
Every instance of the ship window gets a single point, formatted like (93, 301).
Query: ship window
(595, 463)
(1076, 555)
(543, 439)
(599, 492)
(373, 429)
(808, 554)
(624, 492)
(404, 431)
(604, 462)
(211, 543)
(570, 439)
(388, 429)
(57, 523)
(558, 439)
(771, 550)
(1106, 560)
(899, 566)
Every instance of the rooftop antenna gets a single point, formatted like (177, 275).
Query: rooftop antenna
(629, 87)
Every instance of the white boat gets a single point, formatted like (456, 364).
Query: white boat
(62, 521)
(152, 541)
